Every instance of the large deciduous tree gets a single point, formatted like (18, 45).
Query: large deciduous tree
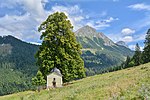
(59, 48)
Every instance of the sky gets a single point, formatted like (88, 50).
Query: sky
(125, 20)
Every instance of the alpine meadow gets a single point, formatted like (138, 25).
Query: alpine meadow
(74, 50)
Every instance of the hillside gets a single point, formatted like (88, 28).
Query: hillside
(132, 83)
(17, 65)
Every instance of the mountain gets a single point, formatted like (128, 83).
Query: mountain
(121, 43)
(91, 33)
(127, 84)
(18, 52)
(99, 51)
(17, 65)
(17, 62)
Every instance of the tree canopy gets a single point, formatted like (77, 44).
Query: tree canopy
(38, 79)
(146, 50)
(59, 48)
(137, 55)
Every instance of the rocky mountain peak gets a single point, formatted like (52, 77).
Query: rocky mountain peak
(88, 31)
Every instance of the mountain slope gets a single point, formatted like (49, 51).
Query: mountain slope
(98, 50)
(19, 53)
(127, 84)
(17, 65)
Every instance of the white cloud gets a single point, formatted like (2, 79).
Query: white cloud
(139, 37)
(77, 17)
(5, 32)
(98, 24)
(140, 6)
(22, 27)
(101, 24)
(132, 47)
(25, 26)
(111, 19)
(34, 7)
(71, 9)
(127, 39)
(127, 31)
(119, 37)
(74, 13)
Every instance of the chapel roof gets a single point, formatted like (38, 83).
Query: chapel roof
(56, 70)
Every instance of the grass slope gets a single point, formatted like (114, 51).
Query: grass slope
(128, 84)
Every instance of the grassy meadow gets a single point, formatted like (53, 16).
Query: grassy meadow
(128, 84)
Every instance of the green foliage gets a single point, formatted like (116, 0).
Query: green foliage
(38, 79)
(137, 55)
(90, 72)
(17, 65)
(131, 63)
(147, 39)
(60, 48)
(126, 64)
(12, 81)
(146, 52)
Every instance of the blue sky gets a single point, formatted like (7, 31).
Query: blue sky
(126, 20)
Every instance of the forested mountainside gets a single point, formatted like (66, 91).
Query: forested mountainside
(17, 64)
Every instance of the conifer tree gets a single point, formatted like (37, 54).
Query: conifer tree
(146, 50)
(38, 80)
(59, 48)
(126, 63)
(137, 55)
(147, 39)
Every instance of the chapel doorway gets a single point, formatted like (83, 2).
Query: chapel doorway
(54, 82)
